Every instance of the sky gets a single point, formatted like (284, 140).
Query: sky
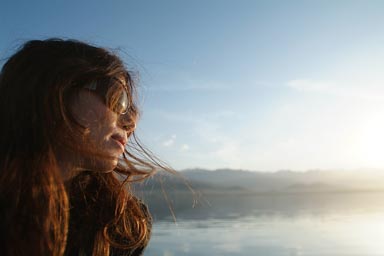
(256, 85)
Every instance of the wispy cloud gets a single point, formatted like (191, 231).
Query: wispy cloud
(311, 86)
(225, 150)
(179, 80)
(212, 144)
(368, 89)
(187, 85)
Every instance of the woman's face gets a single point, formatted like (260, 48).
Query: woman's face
(106, 135)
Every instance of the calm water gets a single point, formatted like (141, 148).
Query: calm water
(316, 225)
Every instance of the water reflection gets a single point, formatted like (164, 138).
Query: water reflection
(323, 224)
(284, 205)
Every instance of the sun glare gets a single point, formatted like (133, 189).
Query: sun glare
(370, 142)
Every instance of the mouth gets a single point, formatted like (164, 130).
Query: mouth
(121, 141)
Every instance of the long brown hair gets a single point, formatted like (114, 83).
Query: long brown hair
(41, 214)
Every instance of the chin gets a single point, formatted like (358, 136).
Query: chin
(107, 165)
(102, 165)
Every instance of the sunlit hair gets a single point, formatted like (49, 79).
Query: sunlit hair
(41, 214)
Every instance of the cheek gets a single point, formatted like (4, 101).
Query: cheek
(101, 130)
(97, 150)
(92, 113)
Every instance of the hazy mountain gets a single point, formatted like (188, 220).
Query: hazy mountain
(225, 191)
(226, 180)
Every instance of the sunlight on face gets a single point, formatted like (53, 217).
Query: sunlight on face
(370, 141)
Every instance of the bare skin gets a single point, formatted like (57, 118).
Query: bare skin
(106, 136)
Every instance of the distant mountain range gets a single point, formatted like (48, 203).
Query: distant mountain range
(242, 181)
(224, 192)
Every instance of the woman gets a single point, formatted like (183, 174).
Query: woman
(68, 153)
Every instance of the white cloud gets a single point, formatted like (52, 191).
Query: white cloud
(184, 147)
(169, 142)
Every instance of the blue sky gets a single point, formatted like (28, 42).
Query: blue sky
(258, 85)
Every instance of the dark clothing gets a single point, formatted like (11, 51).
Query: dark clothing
(86, 248)
(138, 251)
(92, 207)
(120, 252)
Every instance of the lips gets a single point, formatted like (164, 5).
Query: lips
(121, 140)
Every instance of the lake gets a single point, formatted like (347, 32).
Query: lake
(328, 224)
